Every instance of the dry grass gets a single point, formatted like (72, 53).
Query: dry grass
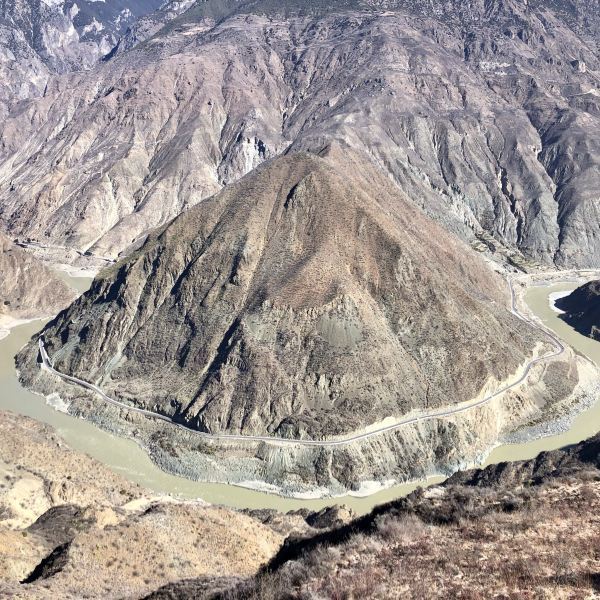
(541, 543)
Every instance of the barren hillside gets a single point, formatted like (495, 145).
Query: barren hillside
(28, 288)
(311, 298)
(485, 114)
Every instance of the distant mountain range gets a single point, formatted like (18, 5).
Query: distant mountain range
(313, 219)
(41, 38)
(485, 114)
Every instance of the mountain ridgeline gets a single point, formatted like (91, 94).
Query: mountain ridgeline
(485, 114)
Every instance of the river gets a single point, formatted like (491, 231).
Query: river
(128, 459)
(586, 423)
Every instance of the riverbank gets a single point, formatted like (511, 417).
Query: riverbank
(128, 459)
(584, 420)
(243, 494)
(8, 323)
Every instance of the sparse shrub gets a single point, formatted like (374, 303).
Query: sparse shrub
(364, 582)
(315, 559)
(511, 504)
(270, 586)
(296, 573)
(334, 553)
(403, 530)
(587, 494)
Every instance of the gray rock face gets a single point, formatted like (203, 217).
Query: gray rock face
(69, 34)
(39, 38)
(307, 300)
(565, 462)
(148, 25)
(582, 309)
(485, 114)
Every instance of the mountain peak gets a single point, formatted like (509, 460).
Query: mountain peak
(303, 299)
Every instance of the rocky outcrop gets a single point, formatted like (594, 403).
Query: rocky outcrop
(582, 309)
(28, 288)
(485, 114)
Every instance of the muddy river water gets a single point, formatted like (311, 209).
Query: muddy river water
(127, 458)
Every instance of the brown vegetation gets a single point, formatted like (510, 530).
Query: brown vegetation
(548, 547)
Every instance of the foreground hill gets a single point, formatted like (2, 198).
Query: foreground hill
(525, 529)
(484, 113)
(582, 309)
(71, 528)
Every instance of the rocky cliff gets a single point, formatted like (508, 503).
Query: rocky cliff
(484, 113)
(582, 309)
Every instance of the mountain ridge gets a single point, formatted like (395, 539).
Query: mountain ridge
(489, 128)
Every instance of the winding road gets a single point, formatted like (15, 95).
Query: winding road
(40, 246)
(559, 348)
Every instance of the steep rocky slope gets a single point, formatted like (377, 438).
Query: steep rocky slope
(70, 35)
(526, 529)
(40, 38)
(28, 288)
(146, 26)
(484, 113)
(309, 299)
(582, 309)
